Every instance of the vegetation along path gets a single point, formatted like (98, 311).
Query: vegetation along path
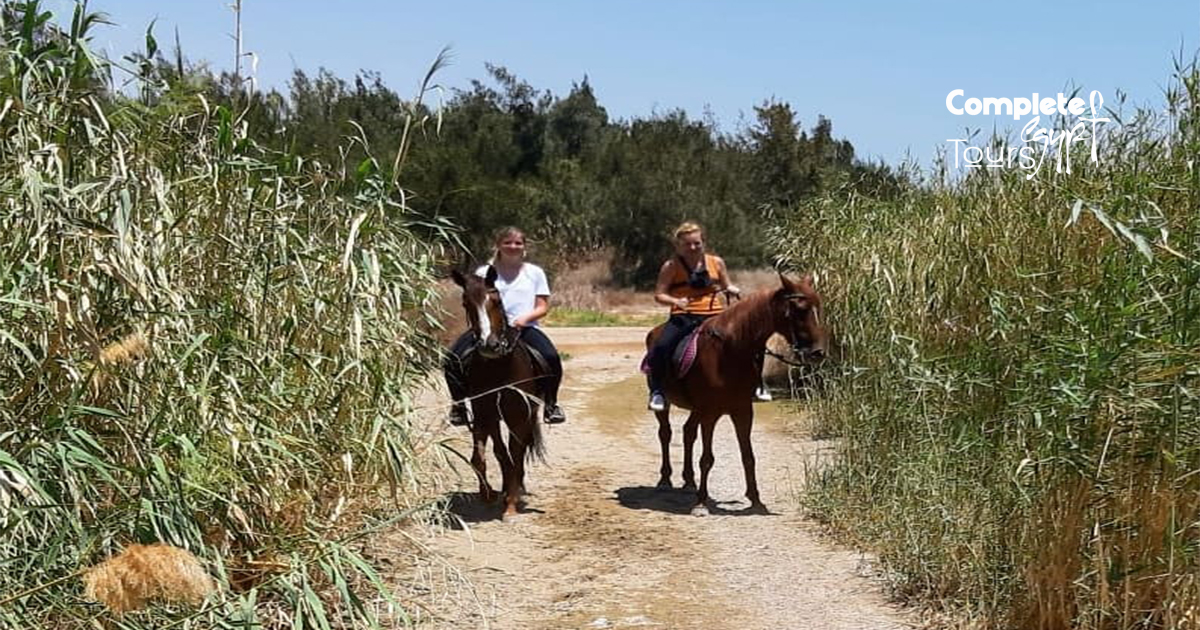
(600, 547)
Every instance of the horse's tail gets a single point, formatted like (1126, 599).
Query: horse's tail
(537, 445)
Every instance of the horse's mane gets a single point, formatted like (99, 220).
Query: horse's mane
(749, 318)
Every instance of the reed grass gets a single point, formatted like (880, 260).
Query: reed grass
(203, 343)
(1017, 400)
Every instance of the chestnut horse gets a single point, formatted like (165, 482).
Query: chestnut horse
(725, 373)
(501, 382)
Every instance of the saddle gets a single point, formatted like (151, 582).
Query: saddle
(683, 355)
(540, 364)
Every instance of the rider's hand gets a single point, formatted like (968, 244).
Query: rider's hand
(733, 290)
(681, 303)
(520, 322)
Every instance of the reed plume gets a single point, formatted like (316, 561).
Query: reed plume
(125, 351)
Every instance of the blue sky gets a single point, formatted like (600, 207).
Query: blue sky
(880, 70)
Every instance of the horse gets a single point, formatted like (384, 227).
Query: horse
(726, 371)
(502, 385)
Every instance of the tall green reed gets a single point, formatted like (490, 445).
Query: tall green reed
(1016, 400)
(201, 342)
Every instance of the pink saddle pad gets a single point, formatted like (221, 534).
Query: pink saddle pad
(684, 355)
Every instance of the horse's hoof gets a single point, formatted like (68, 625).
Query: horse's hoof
(700, 510)
(509, 515)
(757, 508)
(664, 484)
(689, 486)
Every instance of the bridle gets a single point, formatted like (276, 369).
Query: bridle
(794, 325)
(506, 340)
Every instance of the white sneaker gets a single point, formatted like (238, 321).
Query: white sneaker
(762, 394)
(657, 402)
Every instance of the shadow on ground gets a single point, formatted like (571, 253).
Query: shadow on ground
(469, 509)
(678, 501)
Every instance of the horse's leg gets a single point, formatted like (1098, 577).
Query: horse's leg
(501, 452)
(689, 443)
(479, 437)
(707, 424)
(743, 421)
(664, 438)
(514, 484)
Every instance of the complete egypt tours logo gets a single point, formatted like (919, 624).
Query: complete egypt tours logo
(1037, 143)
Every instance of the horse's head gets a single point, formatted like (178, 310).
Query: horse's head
(797, 309)
(485, 314)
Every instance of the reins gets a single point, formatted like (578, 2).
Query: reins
(730, 298)
(783, 359)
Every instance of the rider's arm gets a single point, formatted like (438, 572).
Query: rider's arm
(541, 306)
(662, 288)
(723, 278)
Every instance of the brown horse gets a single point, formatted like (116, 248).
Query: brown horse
(725, 372)
(501, 382)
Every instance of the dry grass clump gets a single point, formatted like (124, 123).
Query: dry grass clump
(583, 286)
(126, 351)
(142, 574)
(119, 354)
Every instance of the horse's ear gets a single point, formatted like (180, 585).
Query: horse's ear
(490, 279)
(808, 280)
(785, 282)
(459, 279)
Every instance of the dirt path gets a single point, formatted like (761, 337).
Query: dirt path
(599, 547)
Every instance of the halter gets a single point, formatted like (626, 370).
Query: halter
(794, 326)
(506, 341)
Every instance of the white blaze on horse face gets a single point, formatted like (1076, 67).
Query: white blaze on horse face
(485, 322)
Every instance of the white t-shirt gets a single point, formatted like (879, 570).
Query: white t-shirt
(520, 294)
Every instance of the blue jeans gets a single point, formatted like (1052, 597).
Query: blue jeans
(677, 328)
(455, 369)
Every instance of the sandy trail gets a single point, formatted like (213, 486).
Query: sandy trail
(599, 547)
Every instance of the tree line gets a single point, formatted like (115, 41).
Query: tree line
(504, 152)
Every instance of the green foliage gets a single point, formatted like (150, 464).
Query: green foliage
(564, 316)
(205, 342)
(1017, 394)
(502, 153)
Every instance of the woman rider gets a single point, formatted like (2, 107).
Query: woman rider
(525, 294)
(690, 283)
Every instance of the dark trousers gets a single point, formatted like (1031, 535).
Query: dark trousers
(455, 369)
(676, 329)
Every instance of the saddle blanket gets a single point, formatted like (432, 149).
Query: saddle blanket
(683, 356)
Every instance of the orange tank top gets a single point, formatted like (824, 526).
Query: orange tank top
(703, 296)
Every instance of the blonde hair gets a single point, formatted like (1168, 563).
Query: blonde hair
(501, 234)
(687, 227)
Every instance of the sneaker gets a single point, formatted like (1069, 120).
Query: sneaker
(554, 415)
(458, 415)
(657, 402)
(762, 394)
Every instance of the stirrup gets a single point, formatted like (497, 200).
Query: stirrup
(657, 402)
